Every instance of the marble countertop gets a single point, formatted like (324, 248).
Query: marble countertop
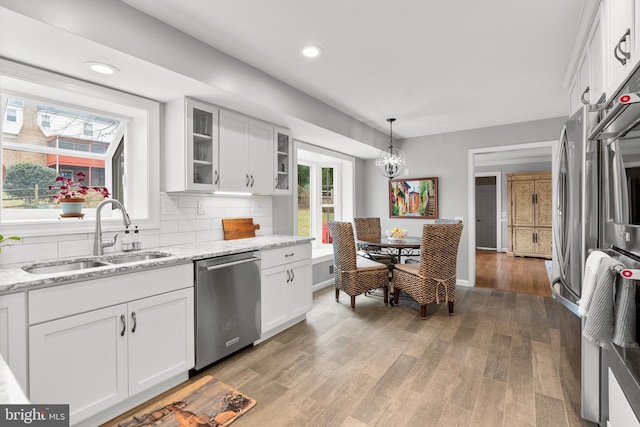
(14, 279)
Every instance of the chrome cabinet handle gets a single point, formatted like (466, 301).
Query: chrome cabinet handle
(247, 183)
(135, 322)
(252, 180)
(293, 276)
(288, 255)
(288, 276)
(625, 55)
(584, 101)
(124, 325)
(217, 178)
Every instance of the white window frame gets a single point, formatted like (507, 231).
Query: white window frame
(344, 185)
(142, 150)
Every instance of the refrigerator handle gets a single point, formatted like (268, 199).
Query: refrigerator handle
(572, 306)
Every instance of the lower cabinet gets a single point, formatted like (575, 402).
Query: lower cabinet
(531, 241)
(13, 328)
(98, 358)
(621, 413)
(285, 287)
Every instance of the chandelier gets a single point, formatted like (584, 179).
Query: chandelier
(391, 162)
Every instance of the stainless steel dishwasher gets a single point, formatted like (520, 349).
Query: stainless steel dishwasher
(227, 294)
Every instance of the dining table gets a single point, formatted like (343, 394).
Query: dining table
(397, 248)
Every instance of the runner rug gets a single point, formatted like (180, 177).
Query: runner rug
(206, 402)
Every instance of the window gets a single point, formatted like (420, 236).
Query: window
(325, 191)
(56, 125)
(32, 157)
(12, 115)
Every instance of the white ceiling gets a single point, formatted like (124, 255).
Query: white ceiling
(437, 66)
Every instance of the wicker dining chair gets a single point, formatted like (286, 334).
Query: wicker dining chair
(434, 278)
(369, 229)
(353, 274)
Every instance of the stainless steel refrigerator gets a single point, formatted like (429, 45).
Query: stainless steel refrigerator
(576, 219)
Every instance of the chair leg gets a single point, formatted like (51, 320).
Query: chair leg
(396, 296)
(353, 303)
(423, 311)
(337, 294)
(386, 295)
(450, 308)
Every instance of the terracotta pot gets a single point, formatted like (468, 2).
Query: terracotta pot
(71, 206)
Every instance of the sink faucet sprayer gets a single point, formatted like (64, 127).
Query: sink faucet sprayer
(99, 245)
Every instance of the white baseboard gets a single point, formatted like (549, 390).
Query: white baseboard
(465, 283)
(322, 285)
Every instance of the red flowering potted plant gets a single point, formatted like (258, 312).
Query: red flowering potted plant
(71, 194)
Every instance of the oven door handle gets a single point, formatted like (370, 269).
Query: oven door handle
(229, 264)
(572, 306)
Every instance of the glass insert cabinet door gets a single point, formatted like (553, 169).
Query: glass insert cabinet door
(203, 141)
(283, 160)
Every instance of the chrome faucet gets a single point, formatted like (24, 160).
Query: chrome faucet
(99, 245)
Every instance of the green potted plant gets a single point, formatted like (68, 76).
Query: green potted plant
(71, 193)
(6, 241)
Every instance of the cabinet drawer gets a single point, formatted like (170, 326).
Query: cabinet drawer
(73, 298)
(285, 255)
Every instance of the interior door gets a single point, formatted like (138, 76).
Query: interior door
(486, 212)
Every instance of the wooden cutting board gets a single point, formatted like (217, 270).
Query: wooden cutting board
(239, 228)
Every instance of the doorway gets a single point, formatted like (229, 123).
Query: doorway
(486, 212)
(503, 159)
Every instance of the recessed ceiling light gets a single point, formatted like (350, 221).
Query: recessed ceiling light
(311, 51)
(102, 68)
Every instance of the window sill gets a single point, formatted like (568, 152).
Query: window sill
(321, 254)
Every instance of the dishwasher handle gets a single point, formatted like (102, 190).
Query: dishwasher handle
(229, 264)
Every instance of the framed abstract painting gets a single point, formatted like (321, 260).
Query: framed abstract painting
(413, 198)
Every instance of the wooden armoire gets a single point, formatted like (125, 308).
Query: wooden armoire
(530, 210)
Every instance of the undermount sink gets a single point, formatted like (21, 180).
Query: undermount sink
(83, 264)
(123, 259)
(63, 266)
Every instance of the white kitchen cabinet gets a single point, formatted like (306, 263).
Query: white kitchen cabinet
(80, 360)
(13, 333)
(246, 154)
(587, 85)
(97, 343)
(286, 294)
(261, 153)
(620, 411)
(191, 148)
(622, 45)
(283, 161)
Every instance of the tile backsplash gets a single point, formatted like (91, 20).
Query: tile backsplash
(184, 218)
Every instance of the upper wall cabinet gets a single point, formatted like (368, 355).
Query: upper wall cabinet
(588, 82)
(283, 162)
(246, 154)
(622, 18)
(191, 146)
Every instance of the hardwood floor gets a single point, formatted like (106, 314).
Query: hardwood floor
(496, 270)
(495, 362)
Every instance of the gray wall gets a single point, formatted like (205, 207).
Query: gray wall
(445, 156)
(321, 272)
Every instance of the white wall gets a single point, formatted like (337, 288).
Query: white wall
(445, 156)
(179, 223)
